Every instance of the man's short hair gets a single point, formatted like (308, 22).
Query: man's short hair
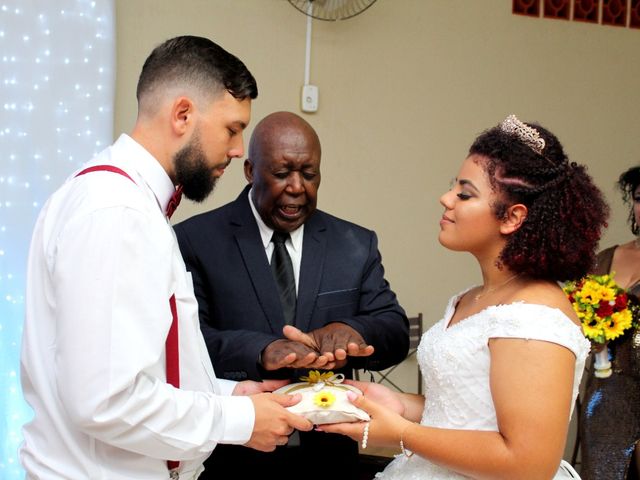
(196, 63)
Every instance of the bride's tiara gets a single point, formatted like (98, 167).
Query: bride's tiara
(525, 133)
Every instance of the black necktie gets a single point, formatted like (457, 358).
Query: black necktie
(282, 269)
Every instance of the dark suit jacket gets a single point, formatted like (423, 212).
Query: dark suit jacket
(341, 279)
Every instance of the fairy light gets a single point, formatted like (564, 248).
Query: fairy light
(56, 72)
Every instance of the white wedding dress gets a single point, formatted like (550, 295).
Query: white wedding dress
(455, 361)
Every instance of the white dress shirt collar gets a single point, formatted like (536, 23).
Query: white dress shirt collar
(266, 232)
(150, 170)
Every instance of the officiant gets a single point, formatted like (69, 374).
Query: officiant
(271, 259)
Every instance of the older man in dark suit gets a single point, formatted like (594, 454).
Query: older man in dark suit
(311, 296)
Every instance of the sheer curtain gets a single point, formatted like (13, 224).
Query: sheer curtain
(56, 111)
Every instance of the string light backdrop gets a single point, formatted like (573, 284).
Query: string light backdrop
(56, 100)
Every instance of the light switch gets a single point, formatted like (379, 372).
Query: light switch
(309, 98)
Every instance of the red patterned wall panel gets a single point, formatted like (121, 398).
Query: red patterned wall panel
(586, 10)
(634, 17)
(614, 12)
(619, 13)
(527, 7)
(557, 9)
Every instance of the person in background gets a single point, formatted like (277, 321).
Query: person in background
(502, 368)
(111, 328)
(336, 307)
(610, 415)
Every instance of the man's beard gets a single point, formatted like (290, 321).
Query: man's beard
(192, 172)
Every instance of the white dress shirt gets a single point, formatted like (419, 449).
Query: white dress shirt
(293, 243)
(102, 266)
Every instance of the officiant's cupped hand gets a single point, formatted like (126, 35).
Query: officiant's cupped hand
(325, 348)
(285, 353)
(334, 342)
(273, 422)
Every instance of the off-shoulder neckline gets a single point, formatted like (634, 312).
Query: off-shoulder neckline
(451, 308)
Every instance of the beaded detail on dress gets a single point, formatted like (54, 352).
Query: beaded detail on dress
(455, 362)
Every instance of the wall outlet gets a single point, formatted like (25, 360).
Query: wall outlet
(309, 98)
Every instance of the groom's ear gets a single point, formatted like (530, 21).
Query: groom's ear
(513, 219)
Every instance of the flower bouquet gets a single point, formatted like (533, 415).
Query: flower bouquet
(605, 312)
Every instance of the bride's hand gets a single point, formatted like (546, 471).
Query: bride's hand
(380, 394)
(384, 429)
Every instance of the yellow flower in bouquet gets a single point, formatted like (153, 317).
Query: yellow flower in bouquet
(602, 306)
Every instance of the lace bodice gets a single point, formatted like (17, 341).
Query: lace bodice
(455, 360)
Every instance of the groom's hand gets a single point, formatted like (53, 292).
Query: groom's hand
(250, 387)
(274, 423)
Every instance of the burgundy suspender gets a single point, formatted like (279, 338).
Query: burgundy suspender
(172, 352)
(105, 168)
(172, 356)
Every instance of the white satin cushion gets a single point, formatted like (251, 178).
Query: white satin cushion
(339, 410)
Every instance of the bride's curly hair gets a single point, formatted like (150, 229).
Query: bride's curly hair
(567, 212)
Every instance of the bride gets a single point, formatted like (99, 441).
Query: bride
(501, 370)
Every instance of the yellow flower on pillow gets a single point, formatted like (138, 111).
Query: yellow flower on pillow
(324, 398)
